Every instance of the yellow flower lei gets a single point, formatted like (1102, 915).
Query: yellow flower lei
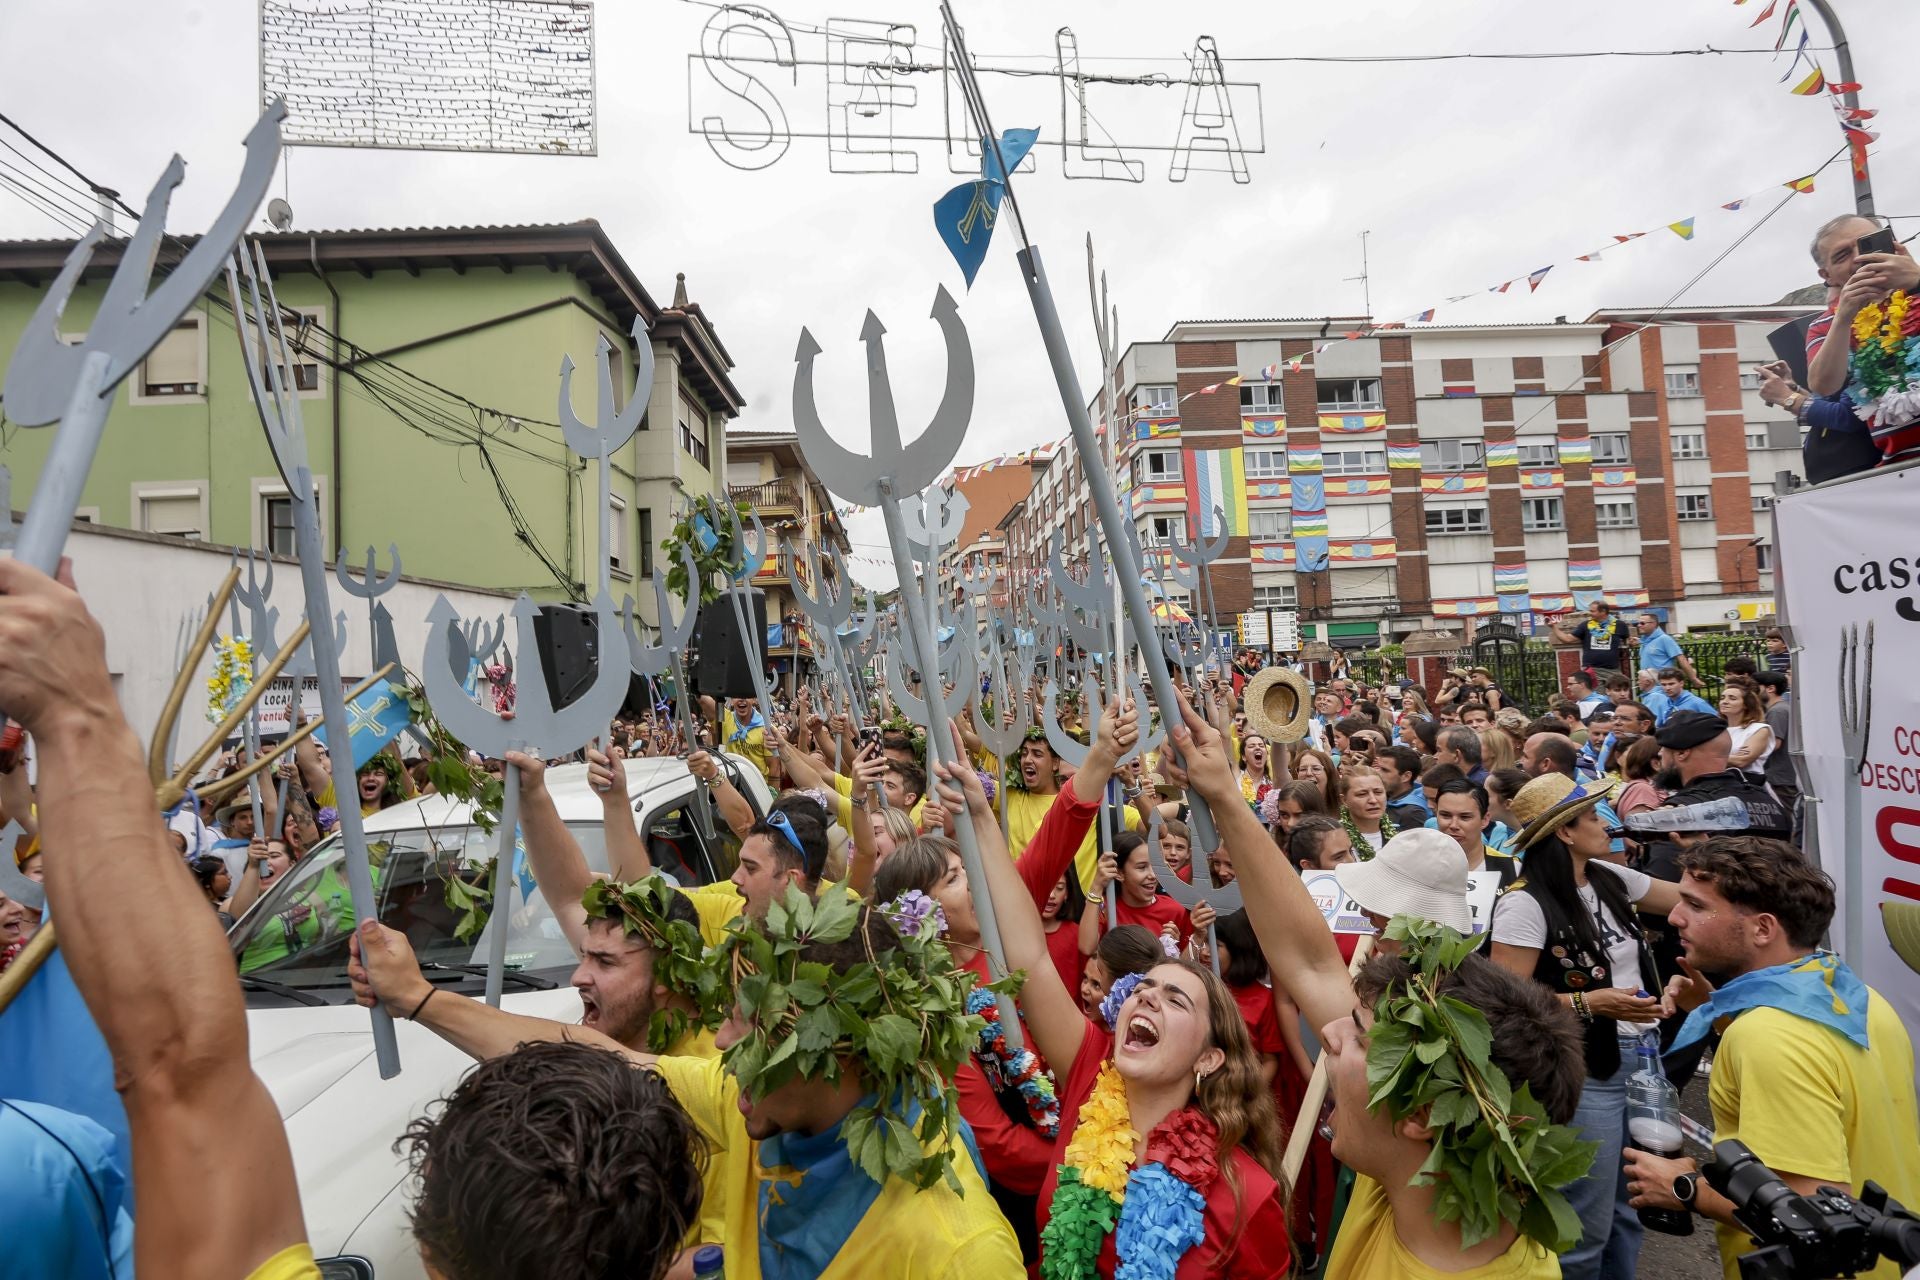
(232, 676)
(1103, 1142)
(1883, 323)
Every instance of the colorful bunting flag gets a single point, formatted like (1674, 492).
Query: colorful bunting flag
(1263, 428)
(1533, 280)
(1156, 429)
(1765, 14)
(1425, 317)
(1269, 371)
(1734, 207)
(1682, 228)
(1403, 457)
(1815, 82)
(1583, 575)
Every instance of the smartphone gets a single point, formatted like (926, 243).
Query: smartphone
(1880, 241)
(869, 736)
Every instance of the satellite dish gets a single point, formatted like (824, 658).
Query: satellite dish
(280, 214)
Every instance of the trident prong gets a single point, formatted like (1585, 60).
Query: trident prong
(614, 427)
(372, 585)
(13, 884)
(1094, 596)
(6, 507)
(1856, 694)
(263, 618)
(1064, 744)
(1002, 733)
(651, 660)
(965, 676)
(936, 521)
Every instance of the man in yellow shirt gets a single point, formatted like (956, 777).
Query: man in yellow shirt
(743, 730)
(203, 1127)
(1392, 1229)
(1815, 1071)
(1028, 805)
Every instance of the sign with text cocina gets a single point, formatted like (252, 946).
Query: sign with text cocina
(1845, 565)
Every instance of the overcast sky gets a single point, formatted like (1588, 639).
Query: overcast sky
(1466, 173)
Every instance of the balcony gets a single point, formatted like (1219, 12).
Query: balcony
(773, 496)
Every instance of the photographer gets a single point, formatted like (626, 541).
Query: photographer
(1868, 267)
(1815, 1070)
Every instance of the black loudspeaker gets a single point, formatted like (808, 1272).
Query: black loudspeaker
(569, 641)
(726, 665)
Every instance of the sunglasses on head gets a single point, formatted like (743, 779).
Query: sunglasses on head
(778, 821)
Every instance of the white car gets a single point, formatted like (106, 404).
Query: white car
(312, 1045)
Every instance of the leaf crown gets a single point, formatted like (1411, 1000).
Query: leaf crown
(1496, 1156)
(895, 1019)
(644, 909)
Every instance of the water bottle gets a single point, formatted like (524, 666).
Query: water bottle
(709, 1263)
(1653, 1126)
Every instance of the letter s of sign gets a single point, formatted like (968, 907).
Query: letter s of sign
(761, 146)
(1884, 823)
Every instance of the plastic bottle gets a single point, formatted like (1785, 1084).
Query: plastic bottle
(1653, 1126)
(709, 1263)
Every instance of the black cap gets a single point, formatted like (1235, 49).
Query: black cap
(1685, 729)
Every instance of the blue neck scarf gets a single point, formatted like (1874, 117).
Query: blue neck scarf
(1820, 988)
(742, 728)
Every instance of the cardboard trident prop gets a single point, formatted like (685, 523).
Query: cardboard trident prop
(884, 479)
(1099, 482)
(651, 660)
(614, 428)
(1856, 734)
(371, 587)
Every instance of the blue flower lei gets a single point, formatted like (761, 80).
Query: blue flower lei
(1116, 996)
(1020, 1068)
(1160, 1219)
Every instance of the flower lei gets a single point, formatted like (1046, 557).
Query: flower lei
(504, 692)
(232, 676)
(1363, 847)
(1155, 1212)
(1020, 1068)
(1884, 381)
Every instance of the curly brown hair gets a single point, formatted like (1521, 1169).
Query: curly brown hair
(556, 1160)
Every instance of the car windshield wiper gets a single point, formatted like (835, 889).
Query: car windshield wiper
(252, 983)
(511, 974)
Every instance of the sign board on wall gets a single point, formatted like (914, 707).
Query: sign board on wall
(1842, 574)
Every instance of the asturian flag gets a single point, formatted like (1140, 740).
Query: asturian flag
(1219, 483)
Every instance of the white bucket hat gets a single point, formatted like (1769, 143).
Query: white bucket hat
(1420, 872)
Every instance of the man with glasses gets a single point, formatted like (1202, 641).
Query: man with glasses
(1658, 649)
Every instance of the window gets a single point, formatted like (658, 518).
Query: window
(177, 367)
(1683, 382)
(1689, 444)
(1695, 506)
(1449, 520)
(1157, 402)
(1763, 502)
(1611, 449)
(1617, 513)
(1452, 455)
(693, 433)
(175, 512)
(299, 325)
(1268, 526)
(1164, 529)
(1756, 439)
(1354, 462)
(1265, 464)
(646, 542)
(1762, 558)
(1348, 395)
(278, 526)
(1541, 515)
(1261, 397)
(273, 524)
(1278, 597)
(1161, 464)
(1749, 380)
(1540, 455)
(617, 543)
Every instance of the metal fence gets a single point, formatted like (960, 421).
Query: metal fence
(1709, 655)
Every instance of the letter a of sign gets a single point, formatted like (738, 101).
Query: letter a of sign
(1206, 122)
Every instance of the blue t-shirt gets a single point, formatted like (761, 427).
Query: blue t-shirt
(1662, 706)
(1659, 650)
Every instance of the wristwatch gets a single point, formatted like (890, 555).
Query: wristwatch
(1684, 1188)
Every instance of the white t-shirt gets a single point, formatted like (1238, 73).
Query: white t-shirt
(1519, 922)
(1741, 733)
(1374, 838)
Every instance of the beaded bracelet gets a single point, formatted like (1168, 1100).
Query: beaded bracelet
(1580, 1007)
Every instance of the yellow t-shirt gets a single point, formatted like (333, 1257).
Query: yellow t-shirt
(716, 904)
(1809, 1101)
(1368, 1248)
(295, 1262)
(905, 1234)
(753, 745)
(330, 799)
(698, 1046)
(1025, 809)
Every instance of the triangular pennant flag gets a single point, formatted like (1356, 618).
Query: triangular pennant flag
(1734, 206)
(1533, 281)
(1425, 316)
(1635, 236)
(1844, 86)
(1802, 185)
(1764, 16)
(1816, 81)
(1859, 113)
(1588, 257)
(1786, 25)
(1501, 288)
(1682, 228)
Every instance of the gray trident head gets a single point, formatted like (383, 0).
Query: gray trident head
(385, 647)
(653, 659)
(614, 428)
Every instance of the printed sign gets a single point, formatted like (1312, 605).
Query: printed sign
(1483, 886)
(1343, 913)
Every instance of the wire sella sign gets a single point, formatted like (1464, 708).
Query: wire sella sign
(433, 75)
(866, 88)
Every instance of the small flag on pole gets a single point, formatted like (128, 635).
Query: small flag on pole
(1425, 317)
(1765, 14)
(1802, 185)
(1682, 228)
(965, 215)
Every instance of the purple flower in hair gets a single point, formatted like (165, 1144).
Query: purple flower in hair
(1116, 996)
(327, 819)
(988, 781)
(911, 911)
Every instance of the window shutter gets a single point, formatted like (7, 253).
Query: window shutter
(175, 515)
(175, 363)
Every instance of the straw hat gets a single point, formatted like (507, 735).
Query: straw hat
(1278, 704)
(1551, 801)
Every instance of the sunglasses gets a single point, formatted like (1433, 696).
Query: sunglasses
(778, 821)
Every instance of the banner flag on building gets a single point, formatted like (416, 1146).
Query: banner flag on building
(1358, 486)
(1352, 424)
(1616, 478)
(1504, 454)
(1510, 577)
(1269, 488)
(1466, 607)
(1583, 575)
(1263, 428)
(1403, 457)
(1455, 482)
(1218, 482)
(1552, 603)
(1303, 458)
(1365, 550)
(1577, 449)
(1543, 478)
(1273, 553)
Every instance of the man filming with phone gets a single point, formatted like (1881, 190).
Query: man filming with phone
(1862, 260)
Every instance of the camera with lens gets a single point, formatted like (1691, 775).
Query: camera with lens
(1809, 1237)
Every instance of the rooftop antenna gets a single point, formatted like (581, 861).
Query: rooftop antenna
(1366, 282)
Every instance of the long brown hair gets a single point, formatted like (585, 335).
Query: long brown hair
(1327, 795)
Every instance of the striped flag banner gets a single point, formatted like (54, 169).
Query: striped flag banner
(1403, 457)
(1455, 482)
(1457, 389)
(1218, 480)
(1369, 550)
(1552, 603)
(1505, 454)
(1358, 486)
(1350, 424)
(1263, 428)
(1274, 553)
(1310, 524)
(1466, 607)
(1509, 577)
(1583, 575)
(1544, 478)
(1627, 599)
(1576, 449)
(1268, 488)
(1156, 428)
(1616, 478)
(1303, 458)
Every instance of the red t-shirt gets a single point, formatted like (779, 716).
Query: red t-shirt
(1246, 1236)
(1263, 1021)
(1017, 1157)
(1154, 915)
(1063, 944)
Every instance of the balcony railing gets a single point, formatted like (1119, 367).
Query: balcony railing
(773, 495)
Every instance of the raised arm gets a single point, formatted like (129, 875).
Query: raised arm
(314, 775)
(205, 1130)
(553, 855)
(627, 855)
(867, 770)
(1299, 947)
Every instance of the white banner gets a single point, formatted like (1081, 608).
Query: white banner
(1844, 563)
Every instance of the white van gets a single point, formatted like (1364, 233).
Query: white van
(312, 1045)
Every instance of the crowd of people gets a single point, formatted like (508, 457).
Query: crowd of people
(807, 1065)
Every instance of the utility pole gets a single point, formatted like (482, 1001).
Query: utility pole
(1837, 35)
(1366, 282)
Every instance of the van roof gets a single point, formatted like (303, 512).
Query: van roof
(567, 783)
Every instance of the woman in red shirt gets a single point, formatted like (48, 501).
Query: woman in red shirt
(1171, 1093)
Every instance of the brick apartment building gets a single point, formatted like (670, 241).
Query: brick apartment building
(1415, 477)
